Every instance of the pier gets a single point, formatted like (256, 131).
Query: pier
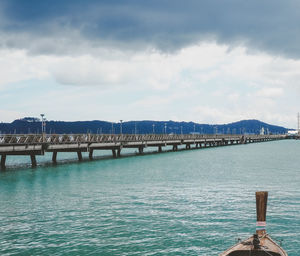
(33, 144)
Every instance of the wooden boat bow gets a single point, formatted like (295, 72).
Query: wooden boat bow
(260, 244)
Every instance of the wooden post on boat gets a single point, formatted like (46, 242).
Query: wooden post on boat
(261, 212)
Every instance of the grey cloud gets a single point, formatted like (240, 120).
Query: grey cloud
(55, 26)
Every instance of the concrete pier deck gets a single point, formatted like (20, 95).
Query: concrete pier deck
(38, 144)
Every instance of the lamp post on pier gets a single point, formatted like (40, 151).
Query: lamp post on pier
(121, 127)
(298, 124)
(43, 126)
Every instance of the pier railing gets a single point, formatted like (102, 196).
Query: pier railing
(21, 139)
(38, 144)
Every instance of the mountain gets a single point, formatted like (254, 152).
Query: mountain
(33, 125)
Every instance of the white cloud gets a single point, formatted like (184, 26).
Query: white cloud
(234, 97)
(195, 65)
(17, 66)
(205, 83)
(270, 92)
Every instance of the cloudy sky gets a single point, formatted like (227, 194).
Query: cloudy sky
(208, 61)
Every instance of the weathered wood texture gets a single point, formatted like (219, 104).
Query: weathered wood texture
(245, 248)
(260, 244)
(261, 205)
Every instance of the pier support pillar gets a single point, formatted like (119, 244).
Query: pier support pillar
(91, 154)
(79, 156)
(114, 153)
(243, 140)
(175, 148)
(3, 160)
(159, 149)
(54, 156)
(119, 152)
(141, 150)
(33, 160)
(188, 146)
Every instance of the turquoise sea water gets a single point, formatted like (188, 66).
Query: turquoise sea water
(195, 202)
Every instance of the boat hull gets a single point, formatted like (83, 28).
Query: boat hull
(246, 248)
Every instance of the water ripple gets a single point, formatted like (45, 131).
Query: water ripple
(185, 203)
